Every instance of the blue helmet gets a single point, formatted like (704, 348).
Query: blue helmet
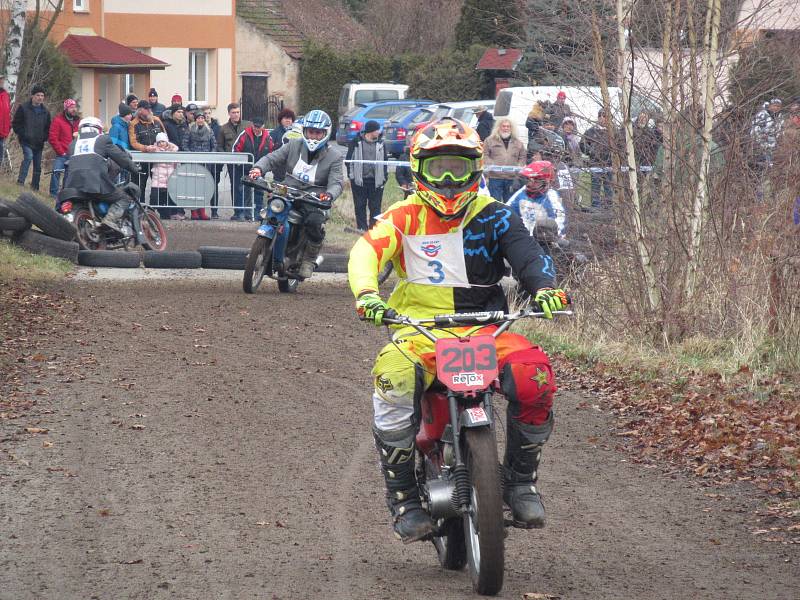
(317, 119)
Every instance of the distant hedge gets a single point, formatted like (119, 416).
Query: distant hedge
(449, 75)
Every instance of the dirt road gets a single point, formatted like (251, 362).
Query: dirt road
(205, 444)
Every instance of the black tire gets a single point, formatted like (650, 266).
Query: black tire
(44, 217)
(38, 243)
(450, 546)
(484, 531)
(221, 257)
(5, 208)
(188, 259)
(109, 258)
(385, 272)
(288, 286)
(86, 233)
(13, 224)
(154, 232)
(333, 263)
(257, 264)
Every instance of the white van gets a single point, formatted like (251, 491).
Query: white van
(356, 92)
(584, 102)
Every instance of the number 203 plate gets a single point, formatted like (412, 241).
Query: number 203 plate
(466, 364)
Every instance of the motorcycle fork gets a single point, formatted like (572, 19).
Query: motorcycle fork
(463, 491)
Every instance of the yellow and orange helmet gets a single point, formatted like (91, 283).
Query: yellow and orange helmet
(446, 162)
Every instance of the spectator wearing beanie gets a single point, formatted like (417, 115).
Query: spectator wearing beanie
(31, 123)
(216, 169)
(155, 105)
(119, 126)
(367, 179)
(176, 99)
(256, 141)
(142, 133)
(286, 119)
(62, 131)
(174, 119)
(132, 100)
(199, 138)
(228, 134)
(160, 174)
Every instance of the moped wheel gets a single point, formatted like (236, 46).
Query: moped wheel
(257, 263)
(483, 526)
(154, 233)
(288, 286)
(86, 233)
(450, 546)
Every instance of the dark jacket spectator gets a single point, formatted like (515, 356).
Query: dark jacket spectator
(32, 123)
(175, 124)
(155, 105)
(199, 137)
(143, 130)
(64, 127)
(119, 126)
(559, 110)
(485, 122)
(132, 100)
(212, 122)
(286, 119)
(231, 130)
(594, 143)
(534, 121)
(254, 140)
(647, 139)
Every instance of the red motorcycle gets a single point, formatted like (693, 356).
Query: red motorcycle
(457, 467)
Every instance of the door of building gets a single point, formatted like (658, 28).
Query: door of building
(254, 95)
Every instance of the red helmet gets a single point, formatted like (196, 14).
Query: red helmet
(539, 175)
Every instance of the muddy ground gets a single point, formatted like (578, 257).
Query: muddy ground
(204, 444)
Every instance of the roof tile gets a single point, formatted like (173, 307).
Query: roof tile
(500, 59)
(268, 17)
(96, 50)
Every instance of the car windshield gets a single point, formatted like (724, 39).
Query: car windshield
(384, 111)
(423, 115)
(362, 96)
(440, 112)
(401, 115)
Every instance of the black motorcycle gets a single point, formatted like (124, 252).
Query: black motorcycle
(140, 225)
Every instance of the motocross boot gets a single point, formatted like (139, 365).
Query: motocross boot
(396, 450)
(114, 214)
(520, 471)
(309, 262)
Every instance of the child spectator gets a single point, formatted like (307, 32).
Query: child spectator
(160, 178)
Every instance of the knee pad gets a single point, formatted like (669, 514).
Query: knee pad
(315, 226)
(399, 384)
(529, 385)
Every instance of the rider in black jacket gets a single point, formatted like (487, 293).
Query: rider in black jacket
(88, 168)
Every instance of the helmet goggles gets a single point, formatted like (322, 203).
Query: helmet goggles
(448, 169)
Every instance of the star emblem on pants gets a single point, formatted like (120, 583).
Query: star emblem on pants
(540, 378)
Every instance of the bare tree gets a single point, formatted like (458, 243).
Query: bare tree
(14, 39)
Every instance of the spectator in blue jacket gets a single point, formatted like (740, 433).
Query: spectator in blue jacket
(119, 126)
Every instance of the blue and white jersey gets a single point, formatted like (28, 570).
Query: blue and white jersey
(545, 206)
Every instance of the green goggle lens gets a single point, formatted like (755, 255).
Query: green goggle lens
(456, 168)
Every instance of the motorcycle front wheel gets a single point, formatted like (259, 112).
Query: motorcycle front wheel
(257, 263)
(87, 235)
(154, 233)
(484, 532)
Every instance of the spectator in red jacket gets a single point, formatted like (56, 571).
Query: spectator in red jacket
(62, 131)
(257, 141)
(5, 118)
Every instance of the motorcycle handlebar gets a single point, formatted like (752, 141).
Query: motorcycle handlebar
(474, 318)
(295, 194)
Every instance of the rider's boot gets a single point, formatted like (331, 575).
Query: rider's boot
(309, 262)
(114, 214)
(520, 471)
(396, 450)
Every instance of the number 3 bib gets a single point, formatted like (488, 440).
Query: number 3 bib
(436, 259)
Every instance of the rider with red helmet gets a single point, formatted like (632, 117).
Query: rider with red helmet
(537, 200)
(448, 244)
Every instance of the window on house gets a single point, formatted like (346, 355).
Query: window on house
(198, 75)
(80, 5)
(127, 83)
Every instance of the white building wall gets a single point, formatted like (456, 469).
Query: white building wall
(257, 53)
(175, 78)
(224, 75)
(174, 7)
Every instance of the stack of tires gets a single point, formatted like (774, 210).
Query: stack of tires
(55, 235)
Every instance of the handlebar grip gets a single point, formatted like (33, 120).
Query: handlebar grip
(389, 315)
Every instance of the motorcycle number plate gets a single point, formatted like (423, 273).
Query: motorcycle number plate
(466, 364)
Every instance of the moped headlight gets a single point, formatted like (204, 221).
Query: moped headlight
(277, 205)
(263, 213)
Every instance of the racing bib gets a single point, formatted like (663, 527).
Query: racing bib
(305, 172)
(436, 259)
(85, 146)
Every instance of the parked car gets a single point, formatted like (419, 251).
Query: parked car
(353, 122)
(463, 111)
(401, 126)
(355, 92)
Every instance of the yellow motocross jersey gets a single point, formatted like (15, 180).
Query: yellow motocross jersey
(448, 265)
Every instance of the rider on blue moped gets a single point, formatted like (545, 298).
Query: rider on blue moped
(311, 165)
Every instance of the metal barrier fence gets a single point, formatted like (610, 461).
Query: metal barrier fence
(195, 180)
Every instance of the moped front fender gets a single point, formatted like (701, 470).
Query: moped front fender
(266, 230)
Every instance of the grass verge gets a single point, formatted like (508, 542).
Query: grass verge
(16, 263)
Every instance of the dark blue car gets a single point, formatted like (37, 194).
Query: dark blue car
(352, 123)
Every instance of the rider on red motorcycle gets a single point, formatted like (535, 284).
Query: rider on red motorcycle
(448, 246)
